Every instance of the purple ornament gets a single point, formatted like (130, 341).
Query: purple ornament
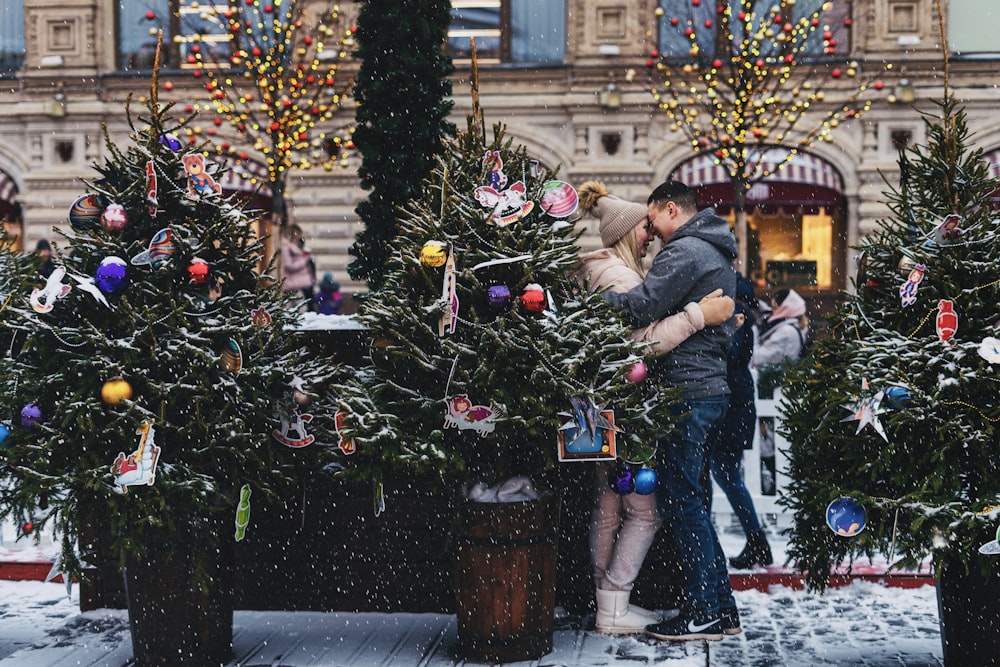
(622, 480)
(31, 414)
(171, 142)
(111, 275)
(498, 296)
(645, 481)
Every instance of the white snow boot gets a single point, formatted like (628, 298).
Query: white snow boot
(616, 617)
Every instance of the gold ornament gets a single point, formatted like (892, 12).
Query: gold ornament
(115, 391)
(434, 254)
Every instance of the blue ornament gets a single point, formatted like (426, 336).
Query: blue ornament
(846, 517)
(622, 479)
(498, 296)
(645, 481)
(31, 415)
(111, 275)
(896, 397)
(4, 432)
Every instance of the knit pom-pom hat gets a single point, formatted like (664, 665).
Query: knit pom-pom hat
(617, 215)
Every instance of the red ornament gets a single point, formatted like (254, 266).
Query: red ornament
(695, 3)
(674, 21)
(637, 373)
(836, 73)
(716, 63)
(150, 16)
(947, 321)
(650, 63)
(198, 271)
(654, 54)
(689, 31)
(708, 23)
(28, 527)
(168, 85)
(848, 22)
(742, 16)
(879, 85)
(533, 298)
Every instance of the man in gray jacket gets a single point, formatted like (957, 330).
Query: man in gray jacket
(696, 258)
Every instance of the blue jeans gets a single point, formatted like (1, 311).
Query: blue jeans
(726, 452)
(680, 462)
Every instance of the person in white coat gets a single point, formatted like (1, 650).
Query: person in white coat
(783, 335)
(623, 527)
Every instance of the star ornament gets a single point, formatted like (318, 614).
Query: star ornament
(865, 409)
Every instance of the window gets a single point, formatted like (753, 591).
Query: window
(830, 36)
(186, 25)
(11, 35)
(508, 31)
(972, 27)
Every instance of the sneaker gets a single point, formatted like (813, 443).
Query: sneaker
(730, 620)
(683, 628)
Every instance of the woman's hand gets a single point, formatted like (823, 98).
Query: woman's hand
(716, 308)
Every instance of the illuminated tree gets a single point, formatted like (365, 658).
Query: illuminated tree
(274, 78)
(743, 77)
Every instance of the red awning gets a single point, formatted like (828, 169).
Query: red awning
(800, 180)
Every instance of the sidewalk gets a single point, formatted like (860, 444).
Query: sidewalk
(870, 621)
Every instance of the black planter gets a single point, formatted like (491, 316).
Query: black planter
(969, 614)
(174, 620)
(506, 579)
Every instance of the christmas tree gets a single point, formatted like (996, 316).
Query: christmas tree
(892, 421)
(152, 375)
(486, 350)
(402, 93)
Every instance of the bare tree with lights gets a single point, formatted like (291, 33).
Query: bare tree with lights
(747, 81)
(277, 82)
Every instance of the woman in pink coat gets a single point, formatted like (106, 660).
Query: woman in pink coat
(623, 527)
(297, 263)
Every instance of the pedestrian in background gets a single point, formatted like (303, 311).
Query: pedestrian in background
(296, 263)
(328, 300)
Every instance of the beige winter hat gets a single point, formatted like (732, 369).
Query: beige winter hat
(617, 215)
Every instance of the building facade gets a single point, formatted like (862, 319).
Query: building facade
(571, 79)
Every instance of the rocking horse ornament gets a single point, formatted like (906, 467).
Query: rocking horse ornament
(293, 430)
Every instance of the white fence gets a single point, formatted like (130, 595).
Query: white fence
(764, 466)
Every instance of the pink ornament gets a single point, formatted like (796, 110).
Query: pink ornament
(114, 218)
(638, 373)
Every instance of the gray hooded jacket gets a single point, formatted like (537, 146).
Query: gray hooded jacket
(696, 260)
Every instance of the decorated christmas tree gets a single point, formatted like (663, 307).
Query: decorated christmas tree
(892, 420)
(489, 360)
(151, 375)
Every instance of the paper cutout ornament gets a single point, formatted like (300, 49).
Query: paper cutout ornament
(590, 433)
(846, 517)
(243, 513)
(533, 298)
(449, 318)
(948, 231)
(991, 548)
(622, 479)
(947, 321)
(496, 179)
(989, 349)
(161, 247)
(200, 182)
(139, 467)
(151, 188)
(85, 213)
(86, 284)
(116, 390)
(866, 409)
(559, 199)
(260, 317)
(908, 290)
(292, 432)
(114, 218)
(645, 481)
(345, 444)
(111, 276)
(31, 415)
(43, 300)
(463, 415)
(232, 357)
(434, 254)
(506, 206)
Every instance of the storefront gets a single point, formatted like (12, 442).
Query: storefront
(795, 217)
